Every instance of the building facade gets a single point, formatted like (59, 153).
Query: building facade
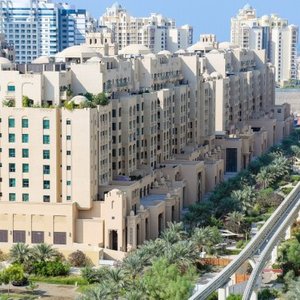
(272, 33)
(155, 32)
(103, 179)
(41, 27)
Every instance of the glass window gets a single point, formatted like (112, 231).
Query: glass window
(46, 169)
(25, 123)
(12, 182)
(68, 122)
(25, 183)
(12, 152)
(25, 153)
(11, 88)
(69, 198)
(46, 184)
(46, 124)
(11, 138)
(25, 197)
(11, 122)
(68, 152)
(46, 198)
(25, 138)
(68, 137)
(68, 182)
(46, 154)
(12, 168)
(46, 139)
(25, 168)
(12, 197)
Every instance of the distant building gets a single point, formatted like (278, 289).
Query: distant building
(155, 32)
(272, 33)
(41, 27)
(6, 50)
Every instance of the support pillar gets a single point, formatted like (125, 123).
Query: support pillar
(274, 255)
(222, 293)
(254, 295)
(288, 233)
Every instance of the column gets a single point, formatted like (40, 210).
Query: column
(288, 233)
(254, 295)
(274, 255)
(222, 293)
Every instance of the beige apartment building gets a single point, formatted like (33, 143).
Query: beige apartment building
(105, 179)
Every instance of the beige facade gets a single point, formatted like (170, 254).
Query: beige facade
(104, 179)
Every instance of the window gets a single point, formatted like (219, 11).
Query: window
(68, 137)
(46, 139)
(11, 88)
(11, 122)
(68, 152)
(68, 122)
(3, 236)
(68, 182)
(25, 153)
(69, 198)
(25, 197)
(12, 168)
(25, 168)
(68, 168)
(12, 152)
(46, 169)
(25, 183)
(25, 138)
(12, 196)
(46, 124)
(46, 154)
(25, 123)
(19, 236)
(46, 198)
(46, 185)
(37, 237)
(59, 238)
(12, 182)
(11, 138)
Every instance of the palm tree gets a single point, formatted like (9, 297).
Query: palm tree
(245, 197)
(234, 221)
(265, 177)
(98, 292)
(20, 253)
(174, 233)
(183, 254)
(294, 291)
(133, 265)
(44, 252)
(206, 238)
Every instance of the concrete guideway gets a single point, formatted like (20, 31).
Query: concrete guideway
(261, 245)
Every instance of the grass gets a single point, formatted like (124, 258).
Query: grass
(68, 280)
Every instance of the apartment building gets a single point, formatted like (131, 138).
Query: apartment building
(272, 33)
(41, 27)
(104, 179)
(155, 32)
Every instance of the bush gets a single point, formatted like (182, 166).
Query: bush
(50, 268)
(69, 280)
(78, 259)
(94, 275)
(3, 256)
(295, 178)
(286, 190)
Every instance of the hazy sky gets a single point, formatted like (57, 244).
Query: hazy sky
(206, 16)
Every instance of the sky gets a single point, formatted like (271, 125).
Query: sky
(206, 16)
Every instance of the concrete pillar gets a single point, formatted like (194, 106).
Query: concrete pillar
(274, 255)
(222, 293)
(288, 233)
(254, 295)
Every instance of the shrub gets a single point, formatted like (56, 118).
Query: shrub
(286, 190)
(94, 275)
(50, 268)
(295, 178)
(3, 256)
(78, 259)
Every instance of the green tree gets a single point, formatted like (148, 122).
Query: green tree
(294, 291)
(26, 101)
(164, 281)
(234, 297)
(44, 253)
(234, 221)
(265, 178)
(246, 197)
(101, 99)
(20, 253)
(11, 274)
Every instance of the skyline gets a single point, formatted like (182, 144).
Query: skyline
(219, 25)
